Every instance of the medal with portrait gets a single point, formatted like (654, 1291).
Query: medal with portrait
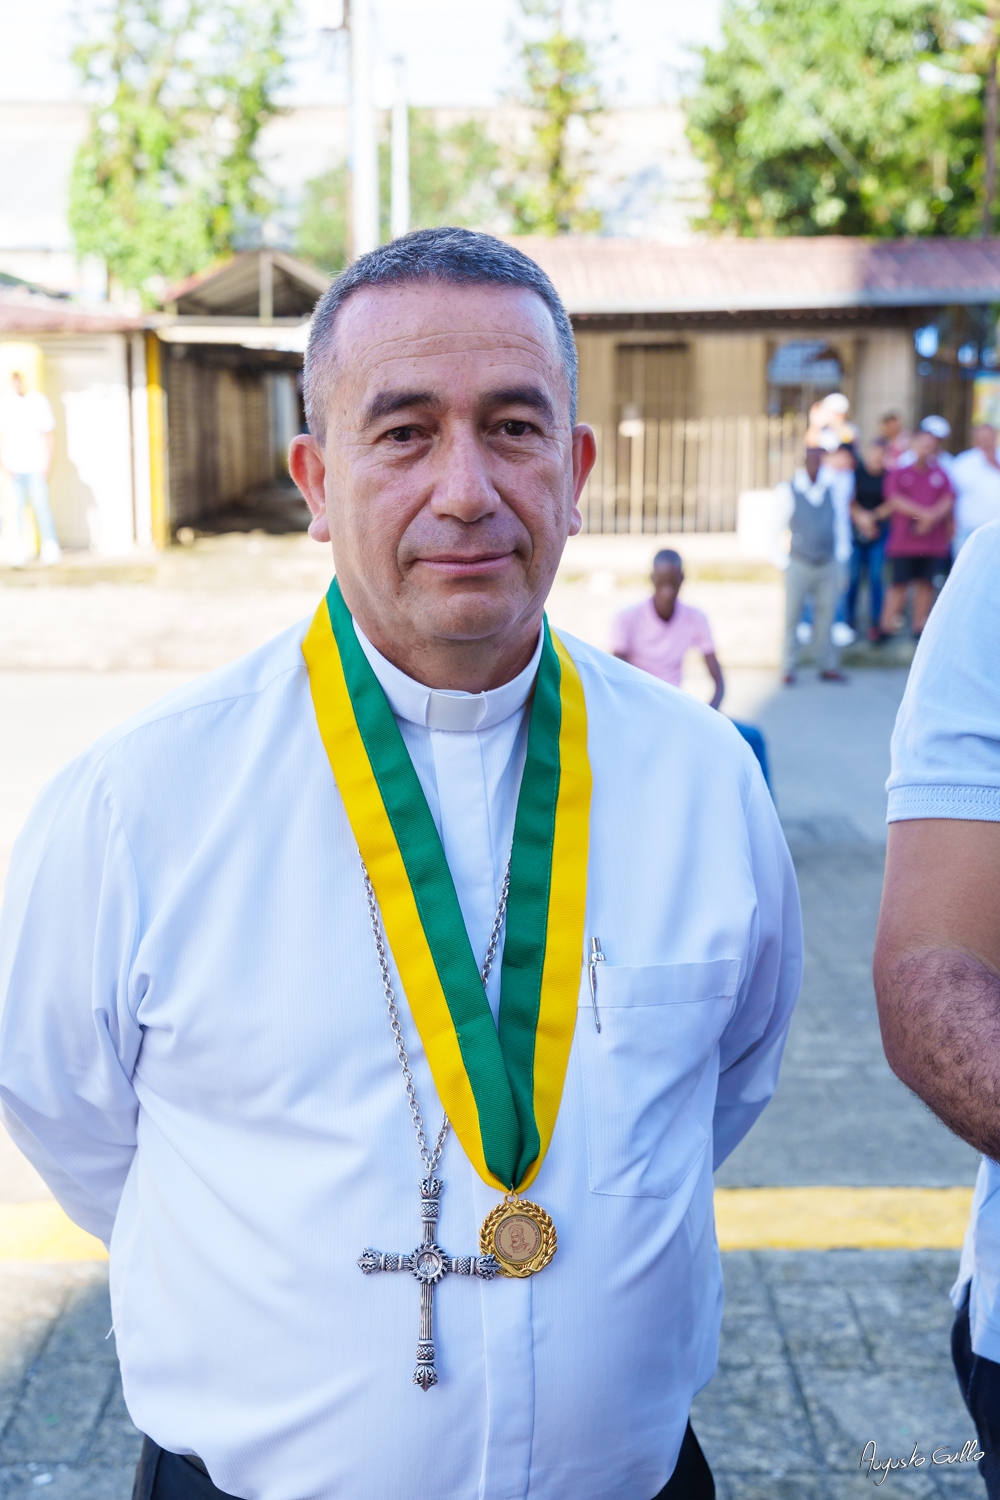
(520, 1234)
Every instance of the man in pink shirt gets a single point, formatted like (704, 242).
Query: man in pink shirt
(657, 634)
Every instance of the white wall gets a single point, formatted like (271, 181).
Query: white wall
(85, 379)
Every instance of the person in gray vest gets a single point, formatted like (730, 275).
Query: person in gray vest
(816, 506)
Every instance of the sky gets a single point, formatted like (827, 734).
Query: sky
(458, 52)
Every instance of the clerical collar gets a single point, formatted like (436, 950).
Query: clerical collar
(445, 708)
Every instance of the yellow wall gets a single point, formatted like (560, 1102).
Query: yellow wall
(25, 358)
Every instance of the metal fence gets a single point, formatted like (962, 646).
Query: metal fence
(686, 475)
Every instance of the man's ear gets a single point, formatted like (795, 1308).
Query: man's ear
(307, 467)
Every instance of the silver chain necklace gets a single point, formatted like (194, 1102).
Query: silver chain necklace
(429, 1158)
(428, 1263)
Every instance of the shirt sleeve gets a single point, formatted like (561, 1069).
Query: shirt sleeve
(946, 744)
(68, 1035)
(754, 1039)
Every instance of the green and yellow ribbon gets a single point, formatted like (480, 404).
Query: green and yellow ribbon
(501, 1084)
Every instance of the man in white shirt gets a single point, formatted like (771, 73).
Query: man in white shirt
(937, 958)
(228, 1044)
(27, 443)
(975, 477)
(816, 507)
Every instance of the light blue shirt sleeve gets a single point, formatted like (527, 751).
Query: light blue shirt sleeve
(946, 744)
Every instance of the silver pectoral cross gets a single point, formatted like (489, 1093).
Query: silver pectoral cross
(429, 1264)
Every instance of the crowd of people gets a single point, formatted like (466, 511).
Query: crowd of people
(887, 518)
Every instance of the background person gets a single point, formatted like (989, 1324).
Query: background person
(975, 478)
(27, 443)
(869, 528)
(920, 501)
(828, 427)
(657, 635)
(937, 955)
(939, 428)
(816, 506)
(892, 439)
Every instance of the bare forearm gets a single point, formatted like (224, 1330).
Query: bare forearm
(712, 663)
(939, 1010)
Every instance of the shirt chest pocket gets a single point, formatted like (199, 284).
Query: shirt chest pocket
(649, 1073)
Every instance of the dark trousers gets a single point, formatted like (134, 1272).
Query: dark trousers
(979, 1382)
(867, 557)
(166, 1476)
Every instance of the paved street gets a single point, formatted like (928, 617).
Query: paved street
(822, 1350)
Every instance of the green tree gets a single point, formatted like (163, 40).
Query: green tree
(843, 116)
(547, 188)
(168, 177)
(322, 231)
(452, 175)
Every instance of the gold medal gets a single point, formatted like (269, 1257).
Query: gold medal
(521, 1235)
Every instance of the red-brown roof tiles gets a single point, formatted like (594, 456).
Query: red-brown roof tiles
(597, 275)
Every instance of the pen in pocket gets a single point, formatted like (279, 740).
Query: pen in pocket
(596, 957)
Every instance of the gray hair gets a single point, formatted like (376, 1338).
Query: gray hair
(459, 257)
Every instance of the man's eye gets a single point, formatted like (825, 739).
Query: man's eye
(516, 429)
(401, 434)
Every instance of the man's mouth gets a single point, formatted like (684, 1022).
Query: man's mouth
(461, 564)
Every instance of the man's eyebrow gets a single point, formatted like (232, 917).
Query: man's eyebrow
(388, 402)
(522, 395)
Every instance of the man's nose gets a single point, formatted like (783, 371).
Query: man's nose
(462, 485)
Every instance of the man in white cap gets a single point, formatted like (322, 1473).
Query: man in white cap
(314, 969)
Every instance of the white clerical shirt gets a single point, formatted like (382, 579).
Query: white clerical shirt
(195, 1053)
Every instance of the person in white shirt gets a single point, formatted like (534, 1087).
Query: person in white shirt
(420, 854)
(937, 957)
(975, 477)
(27, 443)
(816, 507)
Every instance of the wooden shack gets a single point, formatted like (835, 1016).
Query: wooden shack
(231, 343)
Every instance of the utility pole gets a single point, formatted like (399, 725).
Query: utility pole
(990, 117)
(364, 145)
(399, 217)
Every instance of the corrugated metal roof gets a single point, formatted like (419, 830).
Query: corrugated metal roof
(598, 275)
(233, 288)
(25, 311)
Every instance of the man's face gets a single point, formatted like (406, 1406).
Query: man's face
(891, 427)
(925, 445)
(449, 474)
(667, 580)
(17, 381)
(814, 458)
